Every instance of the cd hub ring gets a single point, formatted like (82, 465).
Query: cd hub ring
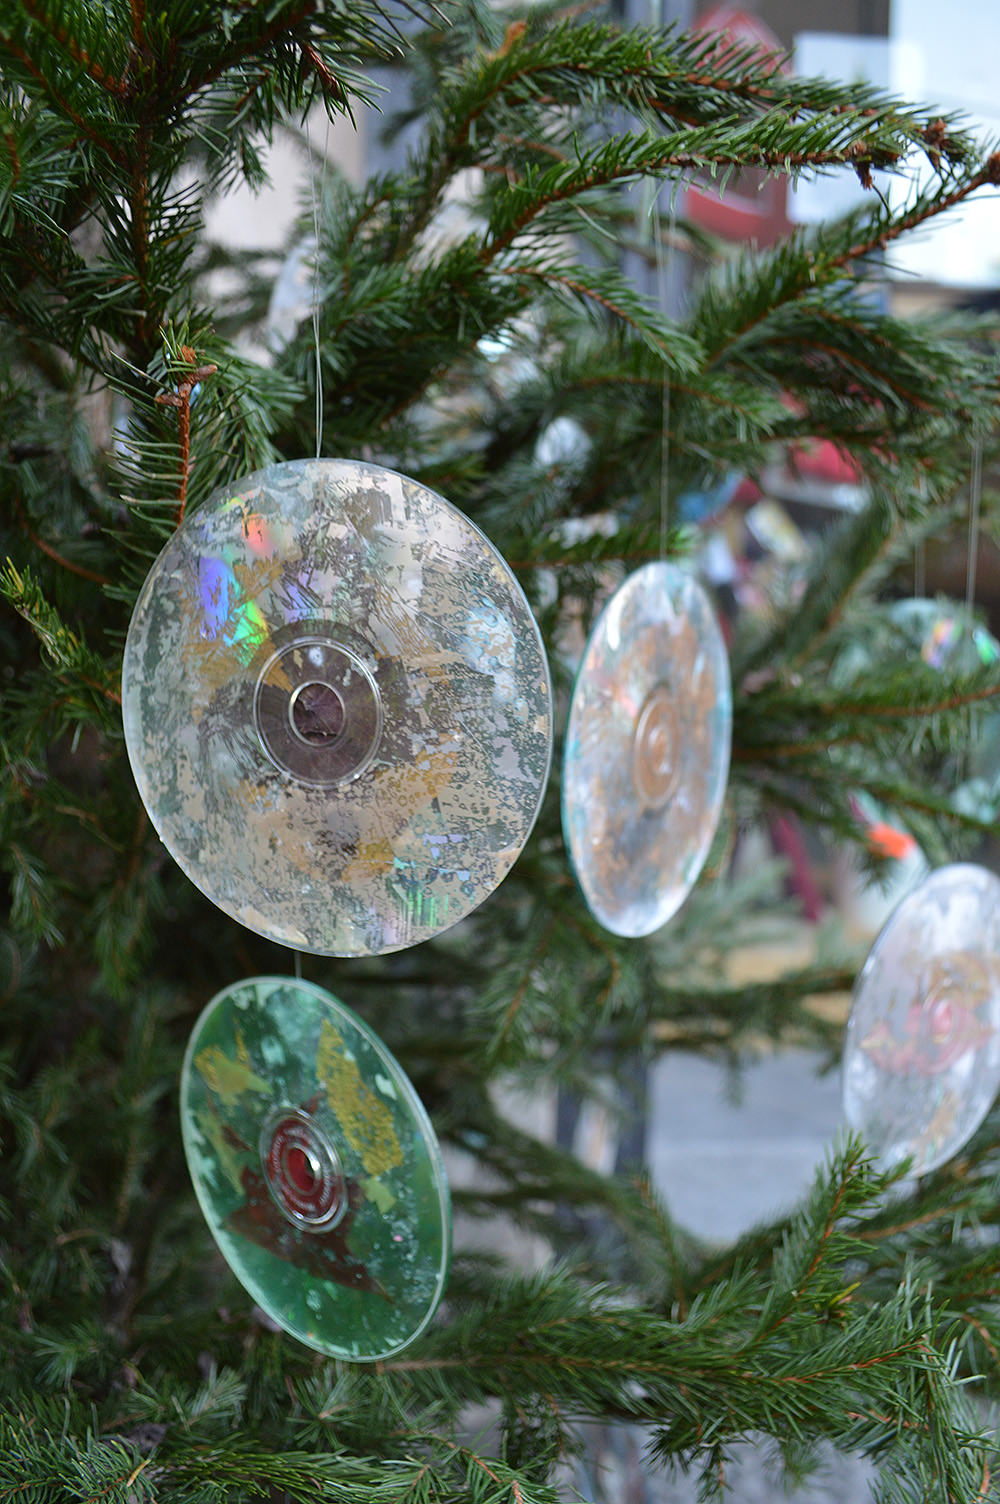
(655, 763)
(302, 1169)
(317, 708)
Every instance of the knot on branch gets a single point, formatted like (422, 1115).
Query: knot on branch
(935, 135)
(860, 159)
(514, 33)
(185, 387)
(991, 171)
(328, 83)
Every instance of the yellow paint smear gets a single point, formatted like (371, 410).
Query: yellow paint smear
(402, 791)
(229, 1079)
(365, 1119)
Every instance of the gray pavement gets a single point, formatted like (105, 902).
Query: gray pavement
(723, 1164)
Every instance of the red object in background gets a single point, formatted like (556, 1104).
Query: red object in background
(820, 459)
(786, 835)
(753, 206)
(885, 840)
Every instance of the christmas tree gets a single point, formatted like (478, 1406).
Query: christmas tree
(134, 381)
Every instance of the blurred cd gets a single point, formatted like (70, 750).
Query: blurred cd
(316, 1167)
(945, 634)
(922, 1052)
(647, 750)
(337, 707)
(293, 296)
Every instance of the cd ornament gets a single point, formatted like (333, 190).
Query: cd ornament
(316, 1168)
(337, 707)
(922, 1050)
(647, 747)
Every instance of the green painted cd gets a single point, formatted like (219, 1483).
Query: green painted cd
(316, 1167)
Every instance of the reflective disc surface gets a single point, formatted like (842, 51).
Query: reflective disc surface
(316, 1167)
(337, 707)
(647, 750)
(922, 1051)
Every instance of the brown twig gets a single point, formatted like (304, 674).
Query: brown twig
(331, 85)
(988, 175)
(46, 548)
(181, 399)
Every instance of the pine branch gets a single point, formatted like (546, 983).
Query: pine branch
(773, 143)
(38, 71)
(90, 44)
(544, 73)
(33, 898)
(96, 1471)
(66, 650)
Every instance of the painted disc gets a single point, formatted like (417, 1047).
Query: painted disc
(316, 1167)
(647, 750)
(337, 707)
(922, 1052)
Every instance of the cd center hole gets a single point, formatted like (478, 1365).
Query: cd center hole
(654, 749)
(302, 1168)
(659, 747)
(316, 712)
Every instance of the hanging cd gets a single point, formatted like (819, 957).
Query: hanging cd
(922, 1052)
(316, 1167)
(647, 750)
(337, 707)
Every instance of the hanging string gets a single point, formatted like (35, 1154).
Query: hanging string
(972, 551)
(664, 268)
(920, 551)
(315, 286)
(298, 953)
(971, 561)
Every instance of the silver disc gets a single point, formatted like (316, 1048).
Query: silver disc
(337, 707)
(647, 750)
(922, 1051)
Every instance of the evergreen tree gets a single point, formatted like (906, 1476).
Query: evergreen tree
(135, 1367)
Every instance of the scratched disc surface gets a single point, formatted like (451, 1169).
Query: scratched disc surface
(647, 750)
(337, 707)
(922, 1051)
(316, 1167)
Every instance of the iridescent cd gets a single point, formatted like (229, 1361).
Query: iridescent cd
(337, 707)
(647, 750)
(316, 1167)
(922, 1052)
